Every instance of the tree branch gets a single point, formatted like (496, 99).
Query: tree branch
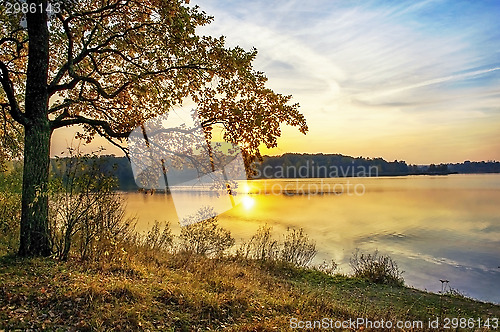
(68, 66)
(77, 119)
(65, 104)
(7, 86)
(103, 9)
(124, 149)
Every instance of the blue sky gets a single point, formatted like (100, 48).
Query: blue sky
(412, 80)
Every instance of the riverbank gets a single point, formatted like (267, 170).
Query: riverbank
(188, 292)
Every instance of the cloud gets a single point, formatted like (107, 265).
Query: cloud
(292, 65)
(431, 82)
(343, 48)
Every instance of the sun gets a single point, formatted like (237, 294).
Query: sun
(248, 202)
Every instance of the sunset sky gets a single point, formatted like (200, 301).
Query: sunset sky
(410, 80)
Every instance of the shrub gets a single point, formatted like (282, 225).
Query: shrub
(10, 213)
(297, 248)
(261, 245)
(380, 269)
(10, 208)
(86, 215)
(157, 239)
(104, 231)
(205, 237)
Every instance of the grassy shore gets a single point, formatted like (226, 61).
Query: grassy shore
(188, 292)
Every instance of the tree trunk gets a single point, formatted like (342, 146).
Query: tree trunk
(34, 238)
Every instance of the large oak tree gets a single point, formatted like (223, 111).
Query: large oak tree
(109, 66)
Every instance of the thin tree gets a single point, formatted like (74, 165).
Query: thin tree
(110, 65)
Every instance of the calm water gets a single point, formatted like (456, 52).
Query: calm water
(435, 227)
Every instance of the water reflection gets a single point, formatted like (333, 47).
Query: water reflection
(443, 227)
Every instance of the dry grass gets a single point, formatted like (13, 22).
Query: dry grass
(180, 292)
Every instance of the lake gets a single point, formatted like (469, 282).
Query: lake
(434, 227)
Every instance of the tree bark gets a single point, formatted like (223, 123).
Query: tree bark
(34, 237)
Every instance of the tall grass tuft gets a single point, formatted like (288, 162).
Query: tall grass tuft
(296, 249)
(377, 268)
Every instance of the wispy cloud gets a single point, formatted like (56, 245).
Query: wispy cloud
(432, 82)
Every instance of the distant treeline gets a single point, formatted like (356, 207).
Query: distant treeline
(476, 167)
(292, 165)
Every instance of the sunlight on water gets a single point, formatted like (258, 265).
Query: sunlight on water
(435, 227)
(248, 202)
